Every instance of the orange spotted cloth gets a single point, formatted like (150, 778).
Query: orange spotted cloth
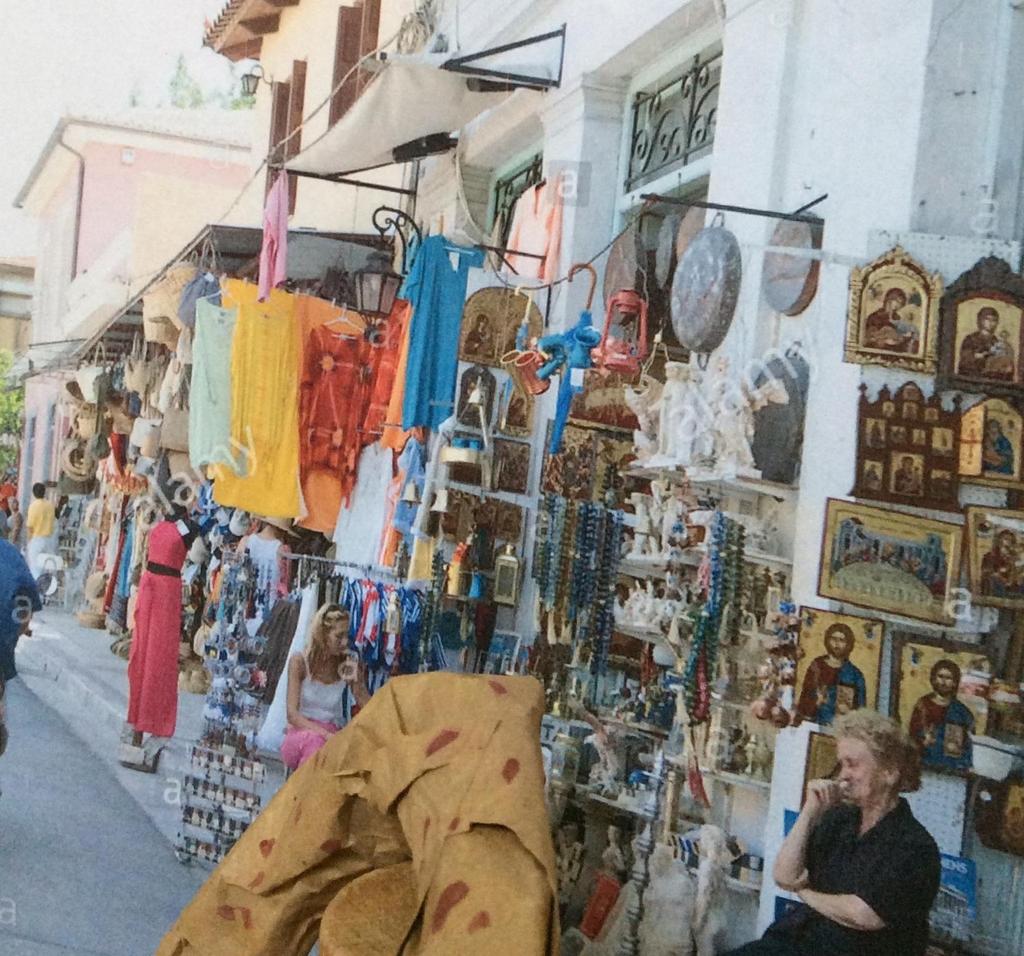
(419, 830)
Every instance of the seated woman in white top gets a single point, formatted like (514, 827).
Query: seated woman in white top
(326, 687)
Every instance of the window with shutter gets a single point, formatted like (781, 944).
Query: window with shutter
(280, 98)
(296, 104)
(358, 34)
(287, 101)
(369, 30)
(347, 51)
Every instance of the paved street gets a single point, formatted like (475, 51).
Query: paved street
(82, 868)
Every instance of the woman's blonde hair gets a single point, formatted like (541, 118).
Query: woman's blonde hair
(888, 742)
(318, 652)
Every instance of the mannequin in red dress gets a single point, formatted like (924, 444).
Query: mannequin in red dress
(153, 661)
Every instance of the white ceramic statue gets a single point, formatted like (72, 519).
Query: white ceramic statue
(681, 424)
(731, 403)
(644, 402)
(644, 544)
(613, 859)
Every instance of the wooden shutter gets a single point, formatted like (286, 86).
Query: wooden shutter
(296, 104)
(347, 50)
(369, 30)
(280, 97)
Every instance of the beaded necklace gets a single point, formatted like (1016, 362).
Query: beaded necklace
(724, 579)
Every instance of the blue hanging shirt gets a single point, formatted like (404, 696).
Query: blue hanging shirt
(437, 291)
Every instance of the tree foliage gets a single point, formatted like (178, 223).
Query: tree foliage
(12, 406)
(185, 91)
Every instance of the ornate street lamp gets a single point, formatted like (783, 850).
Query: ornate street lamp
(250, 82)
(377, 283)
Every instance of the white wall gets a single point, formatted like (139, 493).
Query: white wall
(888, 106)
(308, 32)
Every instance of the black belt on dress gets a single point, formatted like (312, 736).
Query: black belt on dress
(162, 569)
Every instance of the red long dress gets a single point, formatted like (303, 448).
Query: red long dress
(153, 663)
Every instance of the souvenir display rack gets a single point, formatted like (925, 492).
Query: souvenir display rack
(221, 791)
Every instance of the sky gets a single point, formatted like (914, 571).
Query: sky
(60, 56)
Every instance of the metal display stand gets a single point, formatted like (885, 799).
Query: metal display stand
(221, 792)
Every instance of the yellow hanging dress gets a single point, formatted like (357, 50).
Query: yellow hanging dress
(264, 405)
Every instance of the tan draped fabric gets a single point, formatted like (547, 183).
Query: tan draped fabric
(420, 829)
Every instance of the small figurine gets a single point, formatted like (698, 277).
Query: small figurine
(643, 539)
(750, 751)
(569, 863)
(681, 437)
(732, 403)
(644, 402)
(613, 859)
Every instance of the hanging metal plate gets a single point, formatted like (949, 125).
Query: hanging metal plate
(790, 282)
(705, 289)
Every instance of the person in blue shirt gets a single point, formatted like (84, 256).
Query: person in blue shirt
(832, 685)
(19, 599)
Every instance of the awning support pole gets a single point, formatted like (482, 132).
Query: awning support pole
(345, 180)
(798, 216)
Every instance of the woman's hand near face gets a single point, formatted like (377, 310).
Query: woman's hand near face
(822, 795)
(353, 673)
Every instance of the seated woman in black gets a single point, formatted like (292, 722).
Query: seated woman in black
(866, 870)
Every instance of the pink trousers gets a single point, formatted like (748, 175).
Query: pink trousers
(299, 745)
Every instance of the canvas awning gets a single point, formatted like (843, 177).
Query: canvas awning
(42, 357)
(415, 102)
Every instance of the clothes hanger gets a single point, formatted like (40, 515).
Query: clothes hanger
(356, 328)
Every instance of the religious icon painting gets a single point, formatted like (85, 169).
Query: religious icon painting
(466, 513)
(477, 389)
(571, 473)
(515, 409)
(999, 818)
(939, 694)
(990, 444)
(892, 318)
(602, 402)
(982, 318)
(907, 448)
(511, 466)
(890, 561)
(995, 556)
(838, 664)
(491, 319)
(822, 760)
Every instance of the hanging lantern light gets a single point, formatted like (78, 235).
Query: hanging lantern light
(250, 82)
(377, 285)
(623, 345)
(506, 576)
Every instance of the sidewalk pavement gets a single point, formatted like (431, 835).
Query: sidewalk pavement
(71, 669)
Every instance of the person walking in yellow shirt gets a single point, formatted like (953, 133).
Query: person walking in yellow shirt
(41, 524)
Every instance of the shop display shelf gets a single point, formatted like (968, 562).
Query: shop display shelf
(642, 570)
(753, 888)
(647, 635)
(213, 760)
(633, 808)
(231, 833)
(695, 555)
(704, 479)
(642, 728)
(735, 779)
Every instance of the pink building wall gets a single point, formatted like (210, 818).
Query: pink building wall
(40, 455)
(110, 197)
(111, 187)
